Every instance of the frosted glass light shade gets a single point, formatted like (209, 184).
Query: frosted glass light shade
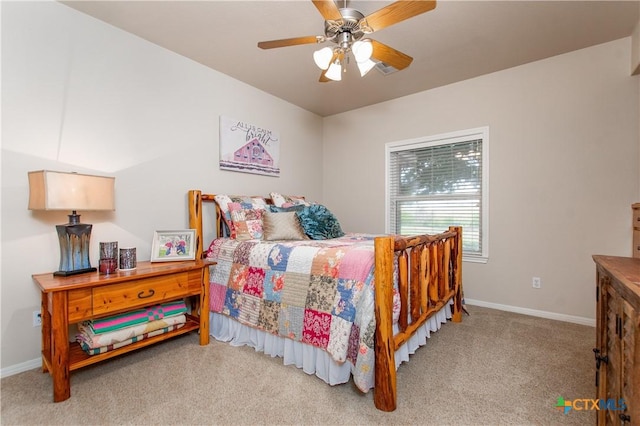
(365, 67)
(322, 57)
(362, 50)
(334, 72)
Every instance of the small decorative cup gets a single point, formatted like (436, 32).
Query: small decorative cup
(108, 266)
(109, 250)
(128, 258)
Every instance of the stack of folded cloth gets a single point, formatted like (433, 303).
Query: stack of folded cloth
(106, 334)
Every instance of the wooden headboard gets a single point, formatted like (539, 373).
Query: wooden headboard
(196, 201)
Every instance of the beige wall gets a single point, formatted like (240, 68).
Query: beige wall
(635, 49)
(563, 164)
(80, 95)
(635, 59)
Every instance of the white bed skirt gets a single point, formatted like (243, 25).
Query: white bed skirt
(310, 359)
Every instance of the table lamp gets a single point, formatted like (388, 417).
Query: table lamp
(50, 190)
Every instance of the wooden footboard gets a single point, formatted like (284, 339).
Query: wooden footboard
(429, 276)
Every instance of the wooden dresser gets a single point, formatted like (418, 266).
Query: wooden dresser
(617, 351)
(69, 300)
(636, 230)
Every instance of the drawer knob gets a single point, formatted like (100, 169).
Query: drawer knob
(141, 295)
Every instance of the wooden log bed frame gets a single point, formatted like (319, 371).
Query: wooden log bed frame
(429, 277)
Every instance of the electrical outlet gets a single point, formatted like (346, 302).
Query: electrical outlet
(536, 282)
(37, 319)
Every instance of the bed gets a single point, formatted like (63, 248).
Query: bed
(387, 294)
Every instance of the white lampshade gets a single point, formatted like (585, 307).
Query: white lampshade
(334, 72)
(322, 57)
(70, 191)
(365, 66)
(362, 50)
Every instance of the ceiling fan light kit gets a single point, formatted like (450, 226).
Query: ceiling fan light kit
(365, 67)
(362, 50)
(334, 72)
(322, 57)
(345, 27)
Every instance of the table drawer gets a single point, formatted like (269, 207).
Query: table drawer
(79, 304)
(143, 292)
(636, 243)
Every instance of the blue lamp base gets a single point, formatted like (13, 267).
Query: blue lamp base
(74, 238)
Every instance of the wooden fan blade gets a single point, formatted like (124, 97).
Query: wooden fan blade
(397, 12)
(271, 44)
(390, 56)
(323, 78)
(327, 9)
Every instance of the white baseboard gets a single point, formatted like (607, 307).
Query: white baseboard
(19, 368)
(533, 312)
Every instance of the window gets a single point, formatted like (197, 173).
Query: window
(441, 181)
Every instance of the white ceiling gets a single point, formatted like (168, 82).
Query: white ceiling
(457, 40)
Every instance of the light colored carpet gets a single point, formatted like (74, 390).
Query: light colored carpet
(493, 368)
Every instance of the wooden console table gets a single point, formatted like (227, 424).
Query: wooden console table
(69, 300)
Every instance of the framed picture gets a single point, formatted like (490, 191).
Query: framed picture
(248, 148)
(170, 246)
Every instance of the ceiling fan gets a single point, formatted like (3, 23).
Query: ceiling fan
(346, 28)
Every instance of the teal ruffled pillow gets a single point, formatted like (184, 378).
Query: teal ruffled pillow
(319, 223)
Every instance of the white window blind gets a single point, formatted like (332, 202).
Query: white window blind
(439, 182)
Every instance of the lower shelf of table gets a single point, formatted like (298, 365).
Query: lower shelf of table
(79, 358)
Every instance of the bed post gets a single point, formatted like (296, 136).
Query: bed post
(457, 264)
(385, 390)
(195, 218)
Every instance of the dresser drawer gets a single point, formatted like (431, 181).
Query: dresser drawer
(139, 293)
(636, 218)
(636, 243)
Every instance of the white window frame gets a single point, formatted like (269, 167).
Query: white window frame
(444, 139)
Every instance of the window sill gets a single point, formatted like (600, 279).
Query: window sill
(475, 259)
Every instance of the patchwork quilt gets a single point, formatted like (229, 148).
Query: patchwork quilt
(319, 292)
